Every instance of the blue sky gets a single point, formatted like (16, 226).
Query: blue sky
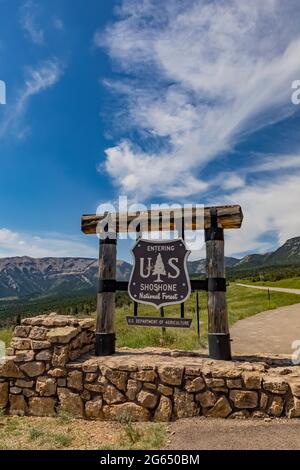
(185, 101)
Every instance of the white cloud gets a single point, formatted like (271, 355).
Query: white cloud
(269, 207)
(29, 22)
(267, 166)
(277, 162)
(38, 79)
(205, 73)
(18, 244)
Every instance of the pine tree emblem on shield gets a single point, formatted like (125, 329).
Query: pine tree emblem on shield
(159, 276)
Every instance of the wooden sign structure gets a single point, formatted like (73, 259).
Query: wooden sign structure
(215, 220)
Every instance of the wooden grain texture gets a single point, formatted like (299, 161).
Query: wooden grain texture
(229, 217)
(106, 300)
(216, 301)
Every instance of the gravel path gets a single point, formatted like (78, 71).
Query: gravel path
(203, 433)
(270, 332)
(274, 289)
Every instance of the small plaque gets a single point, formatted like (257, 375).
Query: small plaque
(159, 321)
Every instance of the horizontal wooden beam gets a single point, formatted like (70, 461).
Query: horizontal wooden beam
(228, 217)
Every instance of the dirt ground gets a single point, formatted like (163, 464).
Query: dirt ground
(198, 433)
(65, 433)
(229, 434)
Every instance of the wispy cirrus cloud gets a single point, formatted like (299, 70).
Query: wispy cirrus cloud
(37, 80)
(200, 76)
(29, 13)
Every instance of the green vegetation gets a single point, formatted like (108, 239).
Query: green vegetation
(24, 433)
(35, 433)
(52, 439)
(64, 416)
(263, 273)
(242, 303)
(62, 439)
(11, 311)
(132, 434)
(153, 437)
(136, 436)
(289, 283)
(178, 338)
(5, 335)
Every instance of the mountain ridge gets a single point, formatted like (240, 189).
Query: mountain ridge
(23, 276)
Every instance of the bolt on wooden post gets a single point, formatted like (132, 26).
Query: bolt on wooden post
(218, 329)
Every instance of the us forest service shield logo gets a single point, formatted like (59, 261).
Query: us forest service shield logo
(159, 276)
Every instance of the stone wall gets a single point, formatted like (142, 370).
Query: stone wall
(35, 366)
(51, 367)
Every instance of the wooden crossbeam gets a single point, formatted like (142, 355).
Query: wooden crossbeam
(228, 217)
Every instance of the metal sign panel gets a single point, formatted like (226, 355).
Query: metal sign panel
(159, 276)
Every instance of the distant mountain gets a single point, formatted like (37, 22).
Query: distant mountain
(287, 254)
(199, 267)
(250, 261)
(24, 276)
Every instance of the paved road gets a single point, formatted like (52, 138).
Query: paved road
(270, 332)
(203, 433)
(275, 289)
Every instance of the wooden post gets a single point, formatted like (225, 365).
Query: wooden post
(105, 328)
(218, 330)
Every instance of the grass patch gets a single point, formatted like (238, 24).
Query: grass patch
(62, 439)
(35, 433)
(154, 436)
(137, 436)
(289, 283)
(53, 439)
(6, 335)
(242, 303)
(64, 417)
(132, 434)
(12, 425)
(24, 433)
